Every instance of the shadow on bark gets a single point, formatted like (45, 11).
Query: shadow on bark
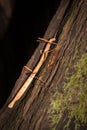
(30, 112)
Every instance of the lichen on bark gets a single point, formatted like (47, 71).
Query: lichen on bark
(73, 100)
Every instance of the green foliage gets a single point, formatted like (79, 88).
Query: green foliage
(73, 99)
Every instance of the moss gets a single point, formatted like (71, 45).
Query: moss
(73, 99)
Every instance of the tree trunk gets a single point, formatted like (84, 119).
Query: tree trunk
(30, 111)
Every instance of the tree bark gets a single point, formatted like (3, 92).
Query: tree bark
(30, 112)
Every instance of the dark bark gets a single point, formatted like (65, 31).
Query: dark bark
(31, 111)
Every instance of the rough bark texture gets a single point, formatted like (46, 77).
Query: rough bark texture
(69, 26)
